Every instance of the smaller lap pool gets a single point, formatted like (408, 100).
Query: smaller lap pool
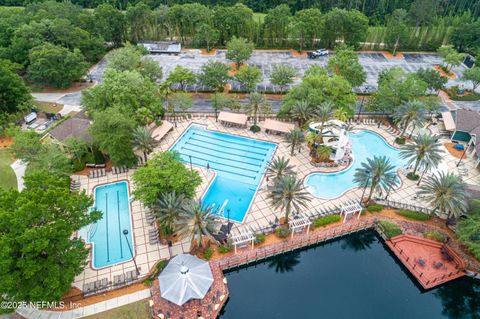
(109, 244)
(365, 144)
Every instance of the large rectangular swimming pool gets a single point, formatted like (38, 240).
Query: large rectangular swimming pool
(239, 164)
(109, 244)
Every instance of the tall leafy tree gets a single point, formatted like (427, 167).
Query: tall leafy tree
(236, 20)
(377, 173)
(445, 193)
(138, 17)
(182, 76)
(450, 56)
(207, 35)
(40, 257)
(112, 131)
(187, 18)
(249, 76)
(472, 75)
(26, 144)
(288, 194)
(317, 87)
(214, 74)
(425, 152)
(164, 174)
(396, 30)
(282, 75)
(433, 78)
(306, 26)
(422, 11)
(239, 50)
(130, 92)
(110, 23)
(14, 94)
(346, 64)
(276, 24)
(347, 25)
(395, 86)
(55, 66)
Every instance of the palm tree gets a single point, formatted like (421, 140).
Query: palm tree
(168, 209)
(410, 112)
(197, 221)
(378, 173)
(294, 138)
(425, 152)
(257, 103)
(445, 193)
(143, 140)
(341, 114)
(323, 114)
(287, 193)
(323, 153)
(301, 112)
(280, 166)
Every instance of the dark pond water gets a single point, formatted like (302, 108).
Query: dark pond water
(353, 277)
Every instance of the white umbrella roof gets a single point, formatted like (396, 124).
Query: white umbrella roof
(185, 277)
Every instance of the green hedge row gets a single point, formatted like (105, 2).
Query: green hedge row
(389, 229)
(322, 221)
(412, 214)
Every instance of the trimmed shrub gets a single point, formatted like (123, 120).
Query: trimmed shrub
(413, 177)
(322, 221)
(400, 140)
(389, 229)
(282, 232)
(413, 214)
(434, 235)
(207, 254)
(259, 239)
(158, 269)
(374, 208)
(224, 248)
(255, 128)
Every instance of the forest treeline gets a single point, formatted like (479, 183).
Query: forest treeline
(376, 10)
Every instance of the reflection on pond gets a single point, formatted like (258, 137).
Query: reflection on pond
(284, 263)
(352, 277)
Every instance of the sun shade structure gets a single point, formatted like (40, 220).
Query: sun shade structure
(233, 118)
(277, 126)
(185, 277)
(349, 209)
(244, 236)
(299, 222)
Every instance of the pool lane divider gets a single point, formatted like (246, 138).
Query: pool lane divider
(119, 226)
(243, 149)
(106, 225)
(226, 159)
(231, 142)
(218, 151)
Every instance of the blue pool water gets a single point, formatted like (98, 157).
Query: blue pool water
(365, 144)
(109, 243)
(239, 164)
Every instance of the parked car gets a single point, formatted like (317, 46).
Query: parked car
(318, 53)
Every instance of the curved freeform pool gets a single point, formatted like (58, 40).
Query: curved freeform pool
(365, 144)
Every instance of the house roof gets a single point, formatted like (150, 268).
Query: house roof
(76, 126)
(467, 120)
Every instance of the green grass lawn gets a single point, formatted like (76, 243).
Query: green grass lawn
(8, 179)
(137, 310)
(48, 107)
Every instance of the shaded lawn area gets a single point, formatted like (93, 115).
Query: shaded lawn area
(137, 310)
(48, 107)
(8, 180)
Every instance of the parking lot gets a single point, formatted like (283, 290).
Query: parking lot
(373, 64)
